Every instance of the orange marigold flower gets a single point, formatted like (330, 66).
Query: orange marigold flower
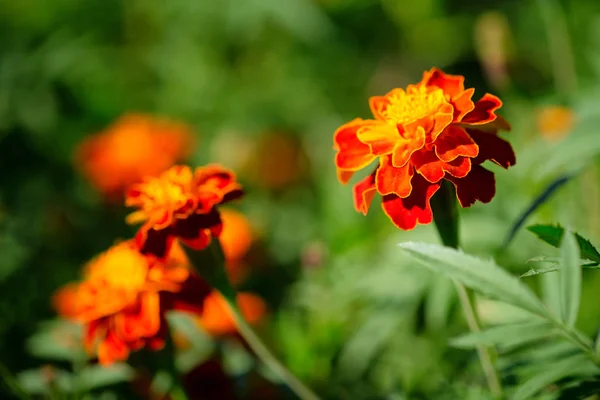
(428, 132)
(181, 204)
(123, 297)
(134, 147)
(555, 122)
(236, 239)
(216, 317)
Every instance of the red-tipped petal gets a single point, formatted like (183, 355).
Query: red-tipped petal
(406, 213)
(392, 180)
(364, 191)
(433, 169)
(412, 141)
(453, 143)
(452, 85)
(493, 148)
(483, 111)
(352, 153)
(479, 184)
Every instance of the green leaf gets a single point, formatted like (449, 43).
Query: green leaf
(438, 303)
(572, 366)
(97, 376)
(553, 234)
(570, 279)
(480, 275)
(506, 336)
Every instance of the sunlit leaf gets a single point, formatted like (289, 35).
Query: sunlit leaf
(552, 235)
(570, 279)
(506, 336)
(480, 275)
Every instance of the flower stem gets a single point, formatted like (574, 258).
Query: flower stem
(445, 214)
(210, 264)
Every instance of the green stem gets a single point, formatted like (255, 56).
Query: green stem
(210, 264)
(445, 212)
(559, 46)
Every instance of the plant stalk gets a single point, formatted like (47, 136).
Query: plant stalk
(445, 213)
(210, 264)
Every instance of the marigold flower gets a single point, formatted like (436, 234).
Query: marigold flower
(135, 146)
(236, 239)
(555, 122)
(121, 300)
(216, 318)
(428, 132)
(181, 204)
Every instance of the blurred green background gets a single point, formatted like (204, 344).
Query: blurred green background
(349, 313)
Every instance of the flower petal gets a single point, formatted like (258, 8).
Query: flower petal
(352, 153)
(479, 184)
(112, 349)
(405, 213)
(463, 104)
(393, 180)
(433, 169)
(493, 148)
(452, 85)
(364, 191)
(379, 104)
(380, 136)
(483, 111)
(455, 142)
(412, 142)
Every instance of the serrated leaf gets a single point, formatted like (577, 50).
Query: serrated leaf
(570, 279)
(483, 276)
(506, 336)
(572, 366)
(552, 235)
(584, 264)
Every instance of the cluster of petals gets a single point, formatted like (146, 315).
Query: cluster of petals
(123, 298)
(431, 131)
(181, 204)
(135, 146)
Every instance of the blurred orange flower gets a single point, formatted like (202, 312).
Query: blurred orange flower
(120, 300)
(216, 318)
(135, 146)
(428, 132)
(554, 122)
(181, 204)
(236, 239)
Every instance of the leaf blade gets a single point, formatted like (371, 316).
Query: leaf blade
(552, 234)
(570, 279)
(480, 275)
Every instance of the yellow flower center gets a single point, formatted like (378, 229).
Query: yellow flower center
(417, 102)
(121, 267)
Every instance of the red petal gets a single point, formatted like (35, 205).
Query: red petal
(493, 148)
(484, 110)
(363, 194)
(353, 154)
(406, 213)
(479, 184)
(392, 180)
(433, 169)
(455, 142)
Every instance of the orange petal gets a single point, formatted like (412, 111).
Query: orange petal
(483, 111)
(433, 169)
(344, 176)
(455, 142)
(463, 104)
(364, 191)
(112, 349)
(352, 153)
(493, 148)
(479, 184)
(413, 141)
(406, 213)
(143, 322)
(380, 136)
(379, 104)
(392, 180)
(452, 85)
